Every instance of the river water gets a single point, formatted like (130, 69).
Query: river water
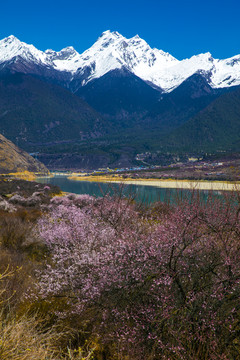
(140, 193)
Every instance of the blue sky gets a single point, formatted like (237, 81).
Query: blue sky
(180, 27)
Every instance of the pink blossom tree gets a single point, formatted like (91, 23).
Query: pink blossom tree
(159, 288)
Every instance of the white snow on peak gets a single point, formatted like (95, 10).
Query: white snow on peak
(11, 47)
(109, 33)
(171, 77)
(65, 54)
(226, 72)
(113, 51)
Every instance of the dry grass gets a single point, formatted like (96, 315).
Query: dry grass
(24, 333)
(27, 339)
(24, 175)
(23, 339)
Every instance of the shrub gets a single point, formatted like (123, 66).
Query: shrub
(169, 290)
(16, 228)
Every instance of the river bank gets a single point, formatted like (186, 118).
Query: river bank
(25, 175)
(164, 183)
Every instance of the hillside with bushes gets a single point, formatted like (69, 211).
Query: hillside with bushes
(105, 278)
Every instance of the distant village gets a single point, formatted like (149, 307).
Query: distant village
(191, 167)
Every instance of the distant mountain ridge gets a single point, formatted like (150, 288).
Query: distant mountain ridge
(113, 51)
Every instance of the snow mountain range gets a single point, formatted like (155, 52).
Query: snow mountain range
(113, 51)
(117, 99)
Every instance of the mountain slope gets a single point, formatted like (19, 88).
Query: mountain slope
(175, 108)
(120, 95)
(131, 103)
(13, 159)
(216, 128)
(33, 113)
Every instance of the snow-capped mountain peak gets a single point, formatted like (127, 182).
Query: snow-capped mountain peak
(113, 51)
(109, 33)
(11, 47)
(65, 54)
(10, 39)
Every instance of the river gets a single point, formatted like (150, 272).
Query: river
(140, 193)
